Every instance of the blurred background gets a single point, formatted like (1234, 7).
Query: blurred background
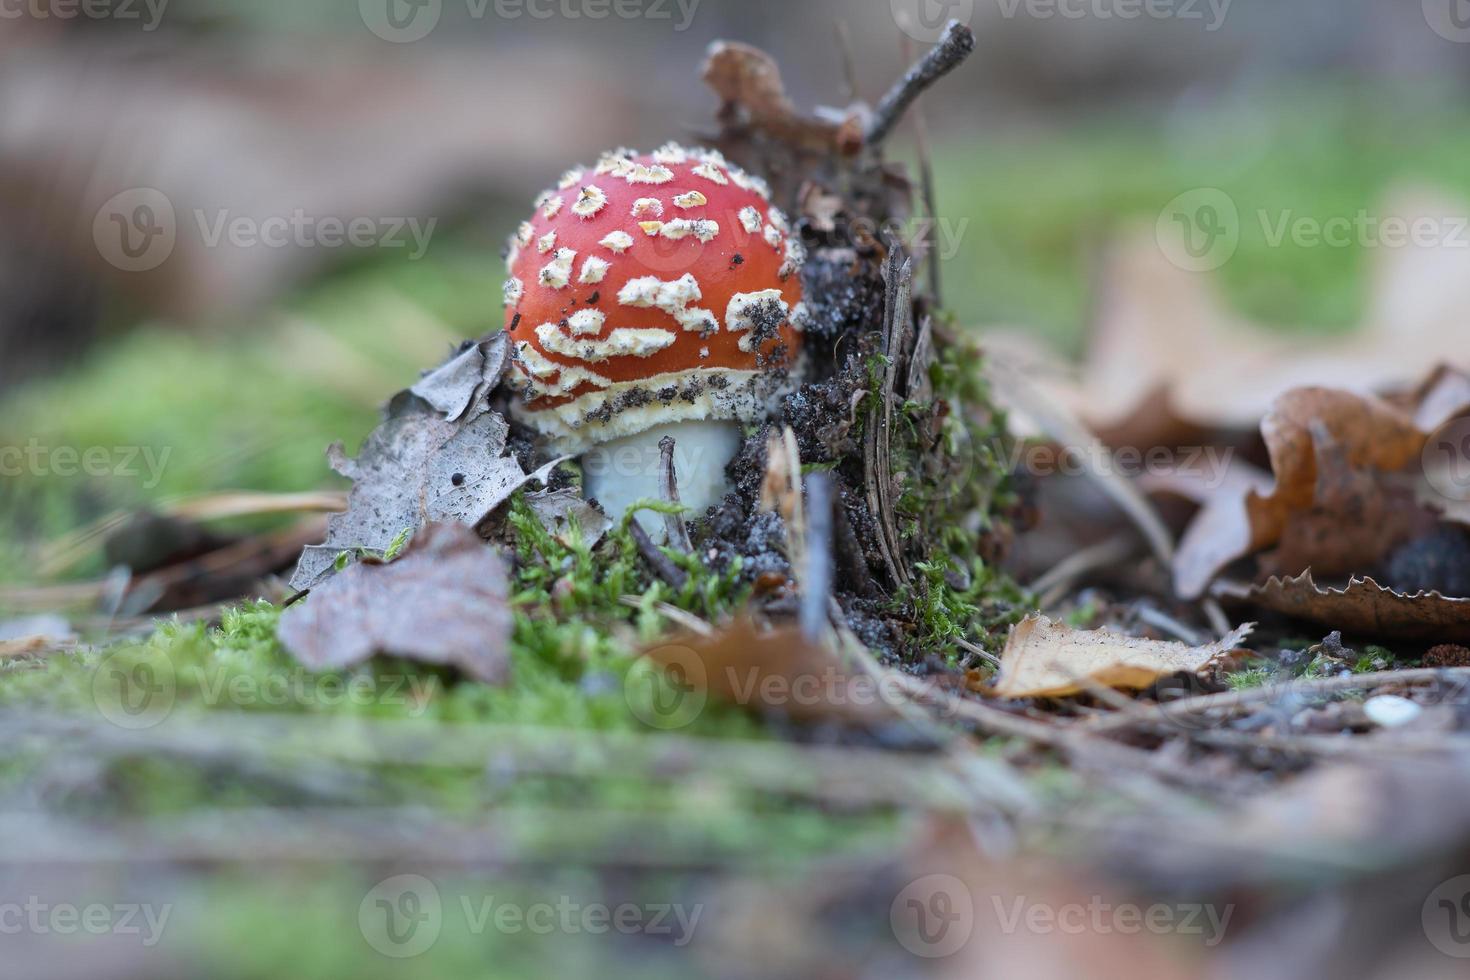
(228, 228)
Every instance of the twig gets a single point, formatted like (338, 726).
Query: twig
(1061, 575)
(849, 61)
(1059, 423)
(668, 488)
(898, 322)
(1235, 700)
(957, 44)
(1397, 748)
(1071, 740)
(1122, 762)
(657, 560)
(67, 551)
(926, 185)
(796, 519)
(1219, 622)
(32, 646)
(688, 620)
(976, 652)
(1100, 692)
(1161, 620)
(816, 579)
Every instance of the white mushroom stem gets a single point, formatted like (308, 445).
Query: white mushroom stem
(620, 473)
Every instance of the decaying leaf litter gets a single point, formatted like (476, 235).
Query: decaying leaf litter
(886, 475)
(1344, 495)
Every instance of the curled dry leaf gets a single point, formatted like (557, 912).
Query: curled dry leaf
(463, 380)
(1044, 658)
(1362, 607)
(746, 77)
(444, 601)
(1149, 381)
(439, 456)
(1344, 496)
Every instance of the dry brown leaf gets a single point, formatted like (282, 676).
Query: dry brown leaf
(1169, 361)
(776, 671)
(747, 77)
(1044, 658)
(1363, 607)
(1334, 504)
(1417, 316)
(444, 601)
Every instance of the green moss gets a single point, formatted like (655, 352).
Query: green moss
(1084, 615)
(1374, 659)
(951, 456)
(1244, 680)
(567, 676)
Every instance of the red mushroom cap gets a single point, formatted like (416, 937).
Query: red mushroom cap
(652, 289)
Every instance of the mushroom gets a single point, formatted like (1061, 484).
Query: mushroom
(653, 295)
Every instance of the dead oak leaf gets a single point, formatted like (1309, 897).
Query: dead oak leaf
(1164, 337)
(444, 601)
(1044, 658)
(1363, 607)
(1329, 506)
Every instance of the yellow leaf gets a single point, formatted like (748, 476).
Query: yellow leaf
(1043, 658)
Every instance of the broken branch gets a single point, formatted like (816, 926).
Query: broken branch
(657, 560)
(957, 44)
(668, 488)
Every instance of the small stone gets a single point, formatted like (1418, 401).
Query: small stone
(1391, 711)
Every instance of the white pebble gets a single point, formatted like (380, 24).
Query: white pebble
(1391, 711)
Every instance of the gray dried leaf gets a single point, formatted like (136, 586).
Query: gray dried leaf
(556, 509)
(463, 380)
(444, 601)
(418, 467)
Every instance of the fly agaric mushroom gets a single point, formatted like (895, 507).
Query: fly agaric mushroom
(653, 295)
